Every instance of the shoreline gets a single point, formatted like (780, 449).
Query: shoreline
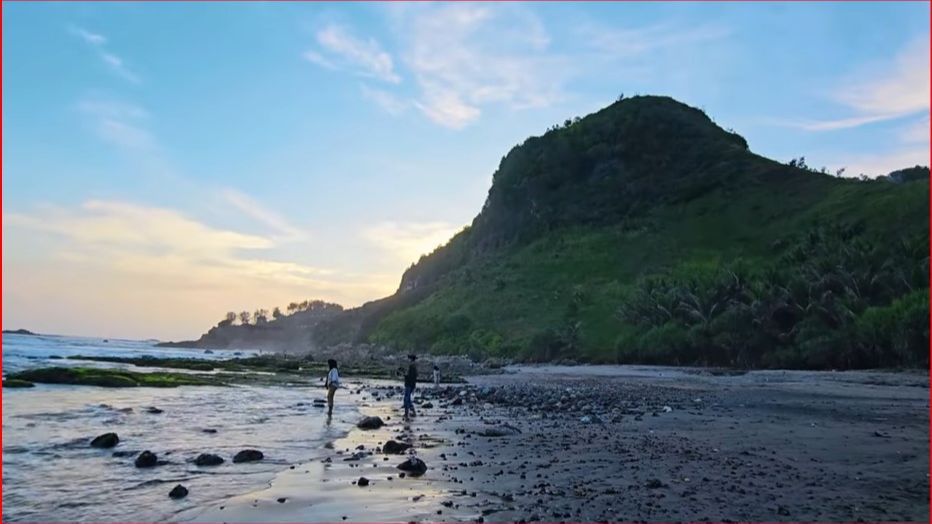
(579, 444)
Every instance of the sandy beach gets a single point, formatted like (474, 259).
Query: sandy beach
(622, 443)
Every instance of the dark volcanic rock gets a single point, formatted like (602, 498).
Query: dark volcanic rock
(248, 455)
(208, 430)
(370, 423)
(178, 492)
(107, 440)
(362, 482)
(146, 459)
(395, 448)
(499, 431)
(208, 459)
(655, 484)
(154, 410)
(413, 466)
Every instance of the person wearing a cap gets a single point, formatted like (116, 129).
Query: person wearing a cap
(410, 383)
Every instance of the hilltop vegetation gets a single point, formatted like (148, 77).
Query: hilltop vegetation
(645, 233)
(291, 332)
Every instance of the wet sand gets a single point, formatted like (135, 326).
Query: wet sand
(624, 443)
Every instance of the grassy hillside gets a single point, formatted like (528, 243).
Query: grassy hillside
(647, 206)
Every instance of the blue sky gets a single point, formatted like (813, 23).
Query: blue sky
(164, 164)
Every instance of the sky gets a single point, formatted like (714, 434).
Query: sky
(165, 164)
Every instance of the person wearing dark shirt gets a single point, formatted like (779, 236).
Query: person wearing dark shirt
(410, 383)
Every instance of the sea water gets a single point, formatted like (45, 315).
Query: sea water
(50, 472)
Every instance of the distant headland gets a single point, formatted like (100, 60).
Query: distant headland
(18, 332)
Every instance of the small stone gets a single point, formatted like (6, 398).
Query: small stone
(370, 423)
(362, 482)
(178, 492)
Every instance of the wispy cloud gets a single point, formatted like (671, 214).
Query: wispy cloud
(119, 123)
(620, 42)
(407, 241)
(468, 56)
(137, 264)
(879, 92)
(390, 103)
(284, 231)
(916, 132)
(89, 37)
(99, 43)
(362, 56)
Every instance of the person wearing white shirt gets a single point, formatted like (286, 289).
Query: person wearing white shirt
(331, 383)
(436, 375)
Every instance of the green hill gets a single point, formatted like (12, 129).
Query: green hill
(646, 233)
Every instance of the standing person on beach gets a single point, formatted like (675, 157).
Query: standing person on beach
(410, 383)
(331, 383)
(436, 375)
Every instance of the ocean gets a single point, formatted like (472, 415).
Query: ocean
(50, 472)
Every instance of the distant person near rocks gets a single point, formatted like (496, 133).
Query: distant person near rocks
(331, 383)
(410, 383)
(436, 375)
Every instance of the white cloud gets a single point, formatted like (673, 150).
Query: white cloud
(881, 91)
(916, 132)
(390, 103)
(102, 226)
(619, 43)
(119, 123)
(407, 241)
(284, 230)
(98, 42)
(118, 267)
(468, 56)
(316, 58)
(901, 88)
(87, 36)
(346, 51)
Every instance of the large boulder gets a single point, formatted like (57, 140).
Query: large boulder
(248, 455)
(107, 440)
(146, 459)
(395, 448)
(413, 466)
(370, 423)
(208, 459)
